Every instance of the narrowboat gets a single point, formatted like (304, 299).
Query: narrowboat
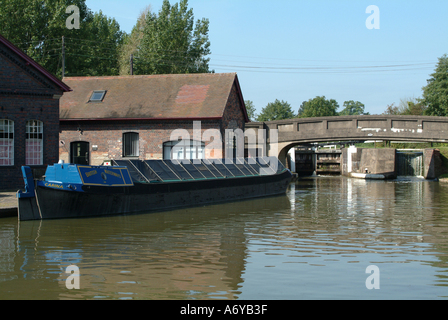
(134, 186)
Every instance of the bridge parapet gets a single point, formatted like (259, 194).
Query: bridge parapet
(350, 128)
(382, 127)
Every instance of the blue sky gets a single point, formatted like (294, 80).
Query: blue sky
(295, 50)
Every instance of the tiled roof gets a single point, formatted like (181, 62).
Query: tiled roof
(30, 61)
(186, 96)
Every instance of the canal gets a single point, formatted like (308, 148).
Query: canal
(316, 242)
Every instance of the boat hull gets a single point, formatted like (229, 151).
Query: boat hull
(147, 197)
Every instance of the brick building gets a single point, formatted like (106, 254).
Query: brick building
(118, 117)
(29, 115)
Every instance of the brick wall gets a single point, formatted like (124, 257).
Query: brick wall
(20, 110)
(233, 118)
(108, 135)
(25, 94)
(233, 114)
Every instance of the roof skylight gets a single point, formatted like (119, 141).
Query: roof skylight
(97, 96)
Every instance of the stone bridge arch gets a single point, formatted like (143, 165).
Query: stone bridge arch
(292, 132)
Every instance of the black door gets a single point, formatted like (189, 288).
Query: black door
(79, 152)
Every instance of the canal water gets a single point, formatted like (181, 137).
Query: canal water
(319, 241)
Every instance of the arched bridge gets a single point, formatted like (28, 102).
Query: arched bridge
(296, 131)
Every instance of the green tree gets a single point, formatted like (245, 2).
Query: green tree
(250, 108)
(318, 107)
(352, 108)
(392, 109)
(131, 43)
(277, 110)
(411, 106)
(435, 93)
(37, 27)
(407, 106)
(416, 108)
(101, 55)
(172, 43)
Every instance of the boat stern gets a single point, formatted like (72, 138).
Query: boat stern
(27, 204)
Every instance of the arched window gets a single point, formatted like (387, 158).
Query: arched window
(6, 142)
(34, 143)
(183, 149)
(130, 144)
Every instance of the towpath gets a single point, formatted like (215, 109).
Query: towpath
(8, 204)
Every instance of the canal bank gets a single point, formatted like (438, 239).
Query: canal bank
(8, 204)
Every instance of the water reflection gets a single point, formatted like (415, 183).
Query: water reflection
(314, 242)
(339, 227)
(193, 253)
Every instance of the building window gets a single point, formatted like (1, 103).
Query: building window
(97, 96)
(231, 148)
(183, 149)
(34, 143)
(130, 144)
(6, 142)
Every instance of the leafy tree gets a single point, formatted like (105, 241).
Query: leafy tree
(37, 27)
(416, 108)
(172, 43)
(250, 108)
(131, 43)
(102, 55)
(411, 106)
(392, 109)
(318, 107)
(435, 93)
(301, 109)
(352, 108)
(407, 106)
(277, 110)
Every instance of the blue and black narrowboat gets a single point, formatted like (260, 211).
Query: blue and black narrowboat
(133, 186)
